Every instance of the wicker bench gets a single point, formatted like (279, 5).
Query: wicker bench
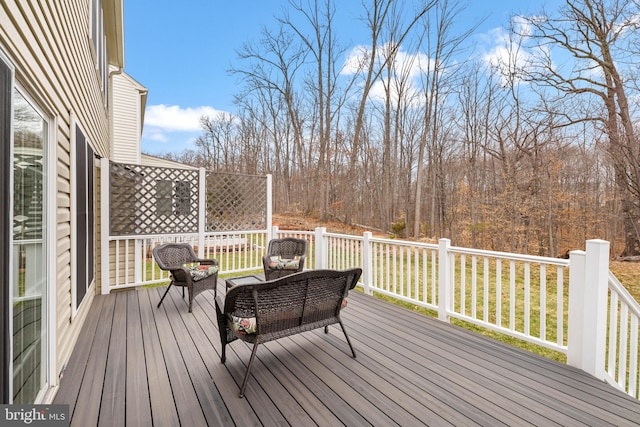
(262, 312)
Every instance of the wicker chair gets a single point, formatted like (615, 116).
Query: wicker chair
(174, 257)
(262, 312)
(284, 257)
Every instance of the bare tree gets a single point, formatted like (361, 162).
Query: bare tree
(440, 45)
(270, 73)
(323, 49)
(599, 35)
(475, 100)
(379, 15)
(217, 143)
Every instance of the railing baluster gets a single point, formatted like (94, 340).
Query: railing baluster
(387, 267)
(434, 275)
(116, 279)
(463, 283)
(512, 295)
(474, 286)
(560, 307)
(527, 298)
(622, 354)
(613, 333)
(395, 277)
(485, 290)
(499, 292)
(633, 361)
(543, 302)
(425, 276)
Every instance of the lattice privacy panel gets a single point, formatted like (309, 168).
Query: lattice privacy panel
(152, 200)
(236, 202)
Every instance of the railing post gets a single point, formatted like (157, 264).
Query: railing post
(321, 248)
(202, 211)
(444, 279)
(367, 261)
(104, 225)
(576, 315)
(588, 283)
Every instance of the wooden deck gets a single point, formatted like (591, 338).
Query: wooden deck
(137, 365)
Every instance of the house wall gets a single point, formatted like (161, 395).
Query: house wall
(49, 43)
(128, 99)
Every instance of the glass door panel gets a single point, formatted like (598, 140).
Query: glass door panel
(29, 289)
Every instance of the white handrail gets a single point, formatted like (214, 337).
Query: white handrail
(622, 367)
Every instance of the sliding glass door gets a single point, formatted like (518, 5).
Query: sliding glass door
(28, 255)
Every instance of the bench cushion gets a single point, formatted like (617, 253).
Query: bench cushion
(243, 325)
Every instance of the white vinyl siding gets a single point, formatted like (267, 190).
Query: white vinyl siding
(50, 45)
(126, 119)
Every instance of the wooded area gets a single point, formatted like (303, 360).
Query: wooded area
(532, 148)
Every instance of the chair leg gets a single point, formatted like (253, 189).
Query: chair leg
(326, 329)
(165, 294)
(246, 376)
(348, 340)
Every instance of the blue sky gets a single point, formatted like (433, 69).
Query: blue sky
(181, 52)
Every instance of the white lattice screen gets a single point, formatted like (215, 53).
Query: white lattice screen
(154, 200)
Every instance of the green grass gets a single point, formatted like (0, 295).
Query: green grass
(415, 267)
(628, 273)
(537, 349)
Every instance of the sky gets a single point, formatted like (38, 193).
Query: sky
(181, 52)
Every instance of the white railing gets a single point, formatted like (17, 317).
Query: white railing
(517, 295)
(131, 262)
(622, 338)
(575, 306)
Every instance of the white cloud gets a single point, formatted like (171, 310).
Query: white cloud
(523, 25)
(499, 53)
(173, 127)
(507, 54)
(413, 65)
(356, 60)
(628, 25)
(173, 118)
(154, 134)
(511, 52)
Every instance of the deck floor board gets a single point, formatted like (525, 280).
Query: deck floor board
(138, 408)
(136, 364)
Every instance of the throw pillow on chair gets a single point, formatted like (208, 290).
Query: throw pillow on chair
(200, 272)
(277, 263)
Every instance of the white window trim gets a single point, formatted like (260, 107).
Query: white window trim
(11, 65)
(75, 124)
(50, 337)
